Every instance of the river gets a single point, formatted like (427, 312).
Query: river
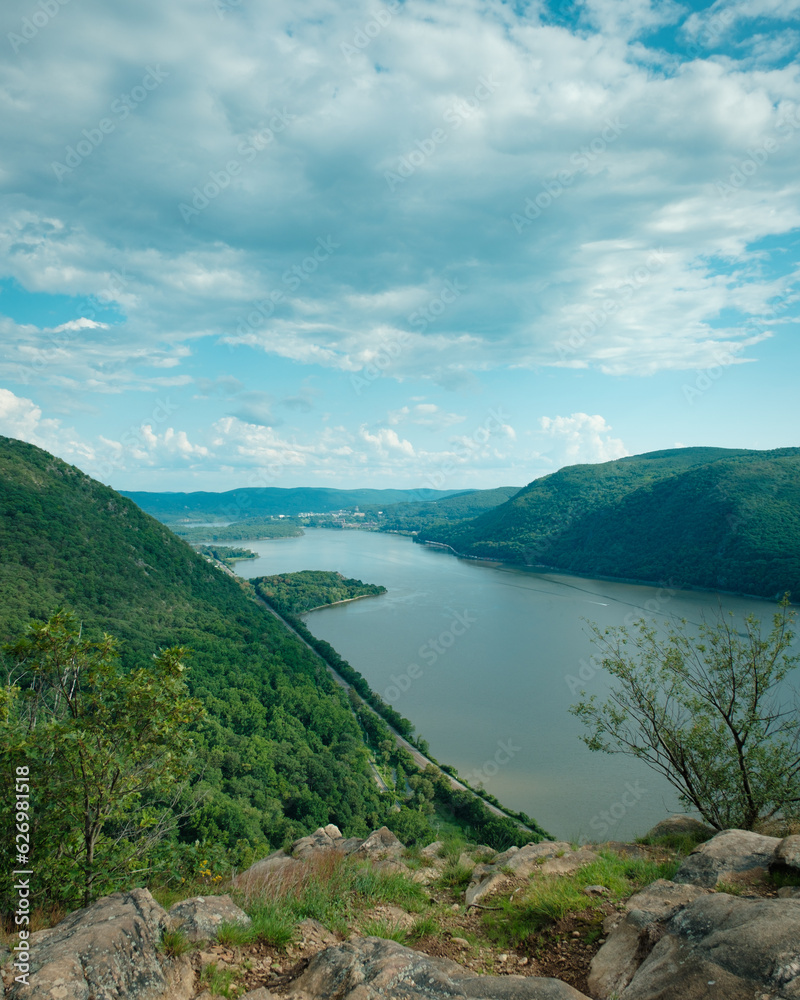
(485, 660)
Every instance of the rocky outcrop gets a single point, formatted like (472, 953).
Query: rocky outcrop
(724, 946)
(381, 847)
(201, 917)
(632, 935)
(730, 852)
(106, 951)
(549, 857)
(371, 968)
(680, 825)
(787, 855)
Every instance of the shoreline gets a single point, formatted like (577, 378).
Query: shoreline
(543, 567)
(347, 600)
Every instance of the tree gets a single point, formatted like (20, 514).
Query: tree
(709, 713)
(108, 753)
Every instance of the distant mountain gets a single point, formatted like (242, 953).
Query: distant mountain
(715, 518)
(235, 505)
(282, 750)
(459, 506)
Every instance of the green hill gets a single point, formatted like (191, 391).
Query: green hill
(704, 517)
(415, 516)
(282, 750)
(235, 505)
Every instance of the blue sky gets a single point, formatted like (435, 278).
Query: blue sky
(454, 244)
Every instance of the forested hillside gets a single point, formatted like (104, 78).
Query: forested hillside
(416, 516)
(281, 750)
(256, 501)
(703, 517)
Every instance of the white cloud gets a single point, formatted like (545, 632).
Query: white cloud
(21, 418)
(582, 438)
(425, 415)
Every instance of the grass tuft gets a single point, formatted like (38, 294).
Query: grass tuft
(175, 943)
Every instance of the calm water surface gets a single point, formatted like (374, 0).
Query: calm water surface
(485, 660)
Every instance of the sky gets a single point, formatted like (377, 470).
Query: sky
(413, 243)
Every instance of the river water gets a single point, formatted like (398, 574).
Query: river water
(485, 661)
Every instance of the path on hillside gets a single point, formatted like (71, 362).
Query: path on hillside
(419, 758)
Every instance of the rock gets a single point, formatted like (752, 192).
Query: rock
(426, 875)
(262, 993)
(277, 865)
(554, 857)
(466, 861)
(678, 825)
(461, 942)
(201, 917)
(432, 850)
(316, 934)
(630, 937)
(787, 854)
(371, 968)
(106, 951)
(569, 863)
(380, 845)
(595, 890)
(324, 838)
(728, 852)
(743, 948)
(789, 892)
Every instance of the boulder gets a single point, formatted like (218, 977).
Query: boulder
(380, 845)
(431, 852)
(521, 861)
(273, 868)
(787, 854)
(680, 825)
(262, 993)
(371, 968)
(631, 936)
(728, 852)
(201, 917)
(106, 951)
(324, 838)
(724, 946)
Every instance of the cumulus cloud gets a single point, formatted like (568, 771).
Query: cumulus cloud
(21, 418)
(582, 438)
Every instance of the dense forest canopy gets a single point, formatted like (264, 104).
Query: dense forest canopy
(282, 750)
(713, 518)
(300, 592)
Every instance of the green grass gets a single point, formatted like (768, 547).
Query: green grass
(455, 876)
(424, 927)
(217, 981)
(235, 935)
(175, 943)
(384, 929)
(683, 843)
(552, 899)
(784, 878)
(327, 888)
